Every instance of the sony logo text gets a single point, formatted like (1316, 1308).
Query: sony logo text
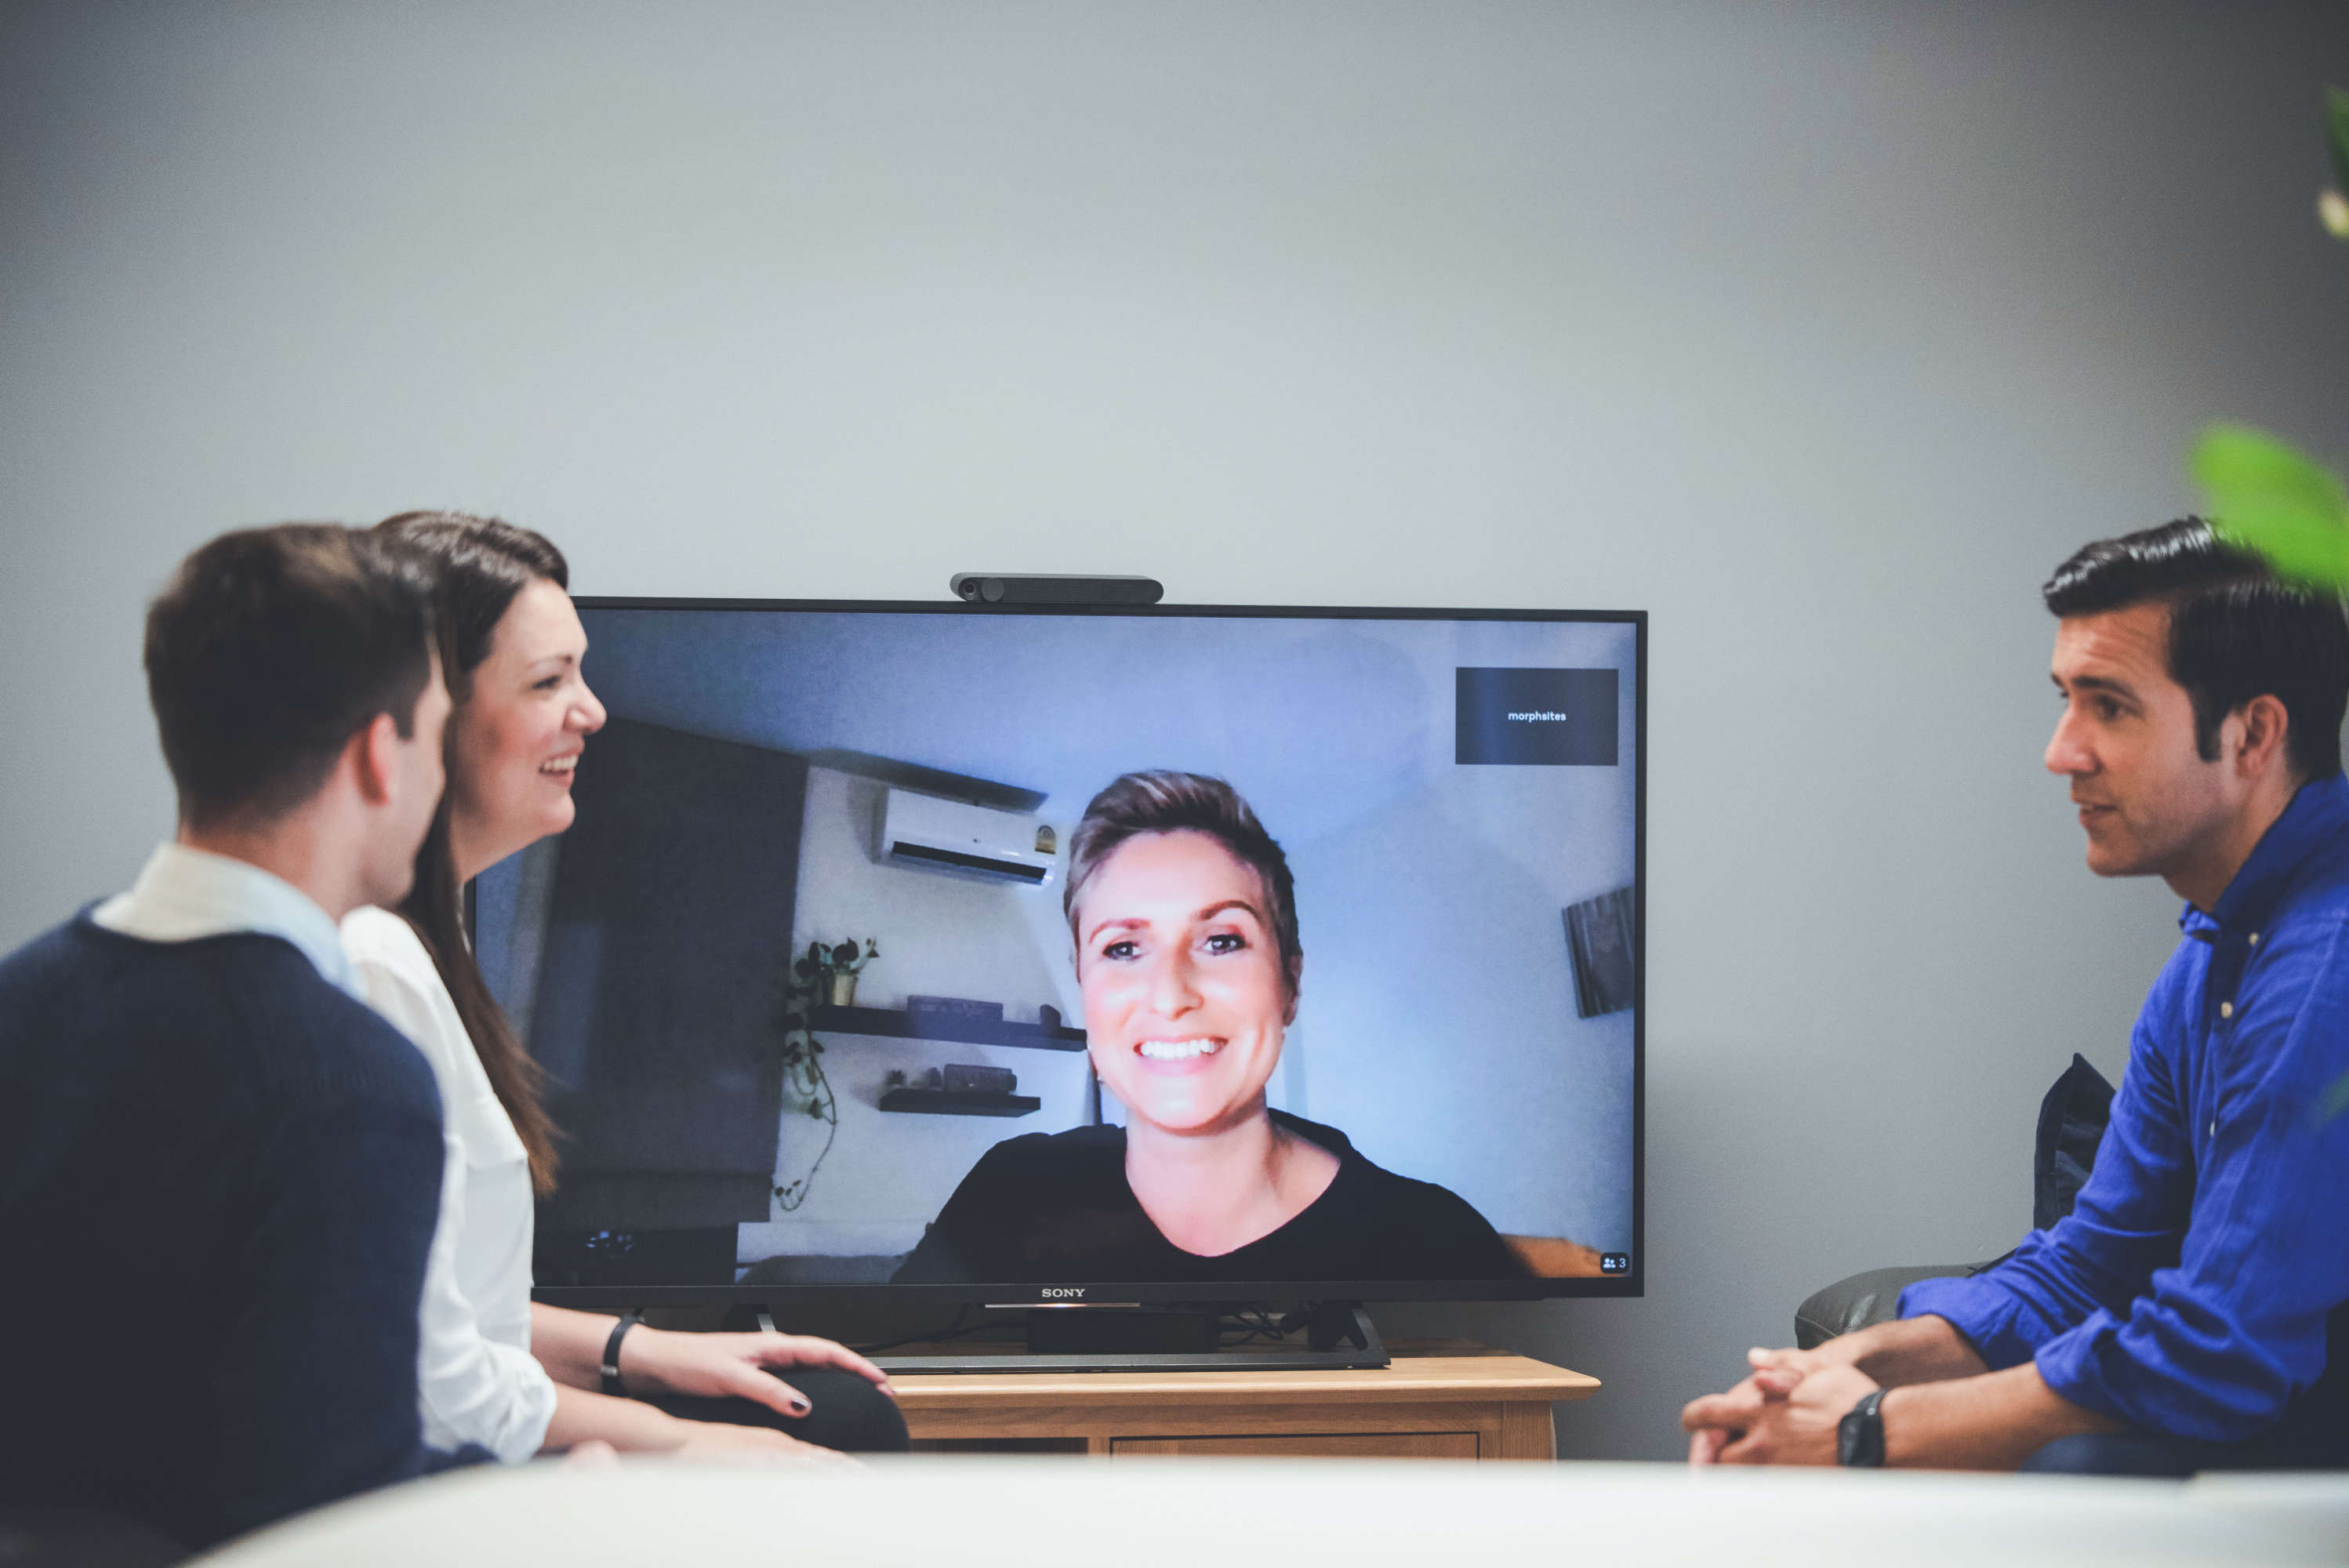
(1062, 1291)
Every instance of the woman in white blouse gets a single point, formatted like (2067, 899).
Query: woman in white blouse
(497, 1370)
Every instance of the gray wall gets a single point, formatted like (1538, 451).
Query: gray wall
(1822, 332)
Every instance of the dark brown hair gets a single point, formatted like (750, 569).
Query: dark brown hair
(1161, 800)
(2235, 632)
(269, 649)
(478, 564)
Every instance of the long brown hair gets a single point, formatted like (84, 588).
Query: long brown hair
(478, 565)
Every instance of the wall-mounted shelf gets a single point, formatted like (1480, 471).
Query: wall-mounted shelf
(896, 1024)
(958, 1102)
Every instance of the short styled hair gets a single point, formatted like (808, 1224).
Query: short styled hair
(1161, 800)
(269, 649)
(2236, 631)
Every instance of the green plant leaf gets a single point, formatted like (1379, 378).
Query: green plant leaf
(2336, 117)
(2264, 496)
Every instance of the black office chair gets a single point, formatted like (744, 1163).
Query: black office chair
(2072, 1121)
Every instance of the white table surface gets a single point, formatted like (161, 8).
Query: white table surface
(988, 1512)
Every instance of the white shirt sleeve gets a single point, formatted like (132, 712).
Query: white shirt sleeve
(472, 1387)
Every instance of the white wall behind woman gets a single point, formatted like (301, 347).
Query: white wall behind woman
(1821, 331)
(886, 1174)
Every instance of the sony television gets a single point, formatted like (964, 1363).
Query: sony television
(1032, 954)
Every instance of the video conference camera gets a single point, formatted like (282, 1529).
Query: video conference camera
(1003, 588)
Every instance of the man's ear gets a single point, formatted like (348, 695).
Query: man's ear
(1296, 985)
(2259, 744)
(372, 755)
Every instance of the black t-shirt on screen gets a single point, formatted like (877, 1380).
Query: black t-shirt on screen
(1056, 1206)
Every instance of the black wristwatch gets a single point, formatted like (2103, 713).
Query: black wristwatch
(1859, 1437)
(612, 1384)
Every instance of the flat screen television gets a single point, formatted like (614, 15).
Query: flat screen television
(818, 1015)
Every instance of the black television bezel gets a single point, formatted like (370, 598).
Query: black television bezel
(1633, 1284)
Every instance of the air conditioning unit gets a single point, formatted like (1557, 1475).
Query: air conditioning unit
(931, 834)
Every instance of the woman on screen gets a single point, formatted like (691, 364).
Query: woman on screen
(496, 1369)
(1185, 920)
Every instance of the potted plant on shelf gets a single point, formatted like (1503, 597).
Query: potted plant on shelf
(826, 974)
(831, 969)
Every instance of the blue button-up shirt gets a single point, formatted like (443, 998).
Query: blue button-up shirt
(2189, 1290)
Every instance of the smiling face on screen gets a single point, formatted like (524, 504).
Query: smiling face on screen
(1187, 996)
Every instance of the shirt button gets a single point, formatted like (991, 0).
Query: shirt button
(2214, 1127)
(2225, 1009)
(2255, 939)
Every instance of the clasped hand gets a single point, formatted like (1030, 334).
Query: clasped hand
(1784, 1413)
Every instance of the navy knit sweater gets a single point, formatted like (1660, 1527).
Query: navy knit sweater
(218, 1179)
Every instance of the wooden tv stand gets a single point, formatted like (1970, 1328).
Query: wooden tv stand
(1446, 1398)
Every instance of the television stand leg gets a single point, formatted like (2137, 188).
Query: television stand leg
(743, 1318)
(1329, 1324)
(1339, 1335)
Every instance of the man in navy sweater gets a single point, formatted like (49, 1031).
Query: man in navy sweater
(2192, 1311)
(219, 1168)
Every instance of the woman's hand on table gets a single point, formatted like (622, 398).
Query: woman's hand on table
(715, 1366)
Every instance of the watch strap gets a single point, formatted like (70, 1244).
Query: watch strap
(1859, 1436)
(612, 1384)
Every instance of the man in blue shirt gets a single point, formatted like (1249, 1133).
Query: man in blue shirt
(2190, 1314)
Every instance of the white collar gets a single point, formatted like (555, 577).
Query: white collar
(184, 893)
